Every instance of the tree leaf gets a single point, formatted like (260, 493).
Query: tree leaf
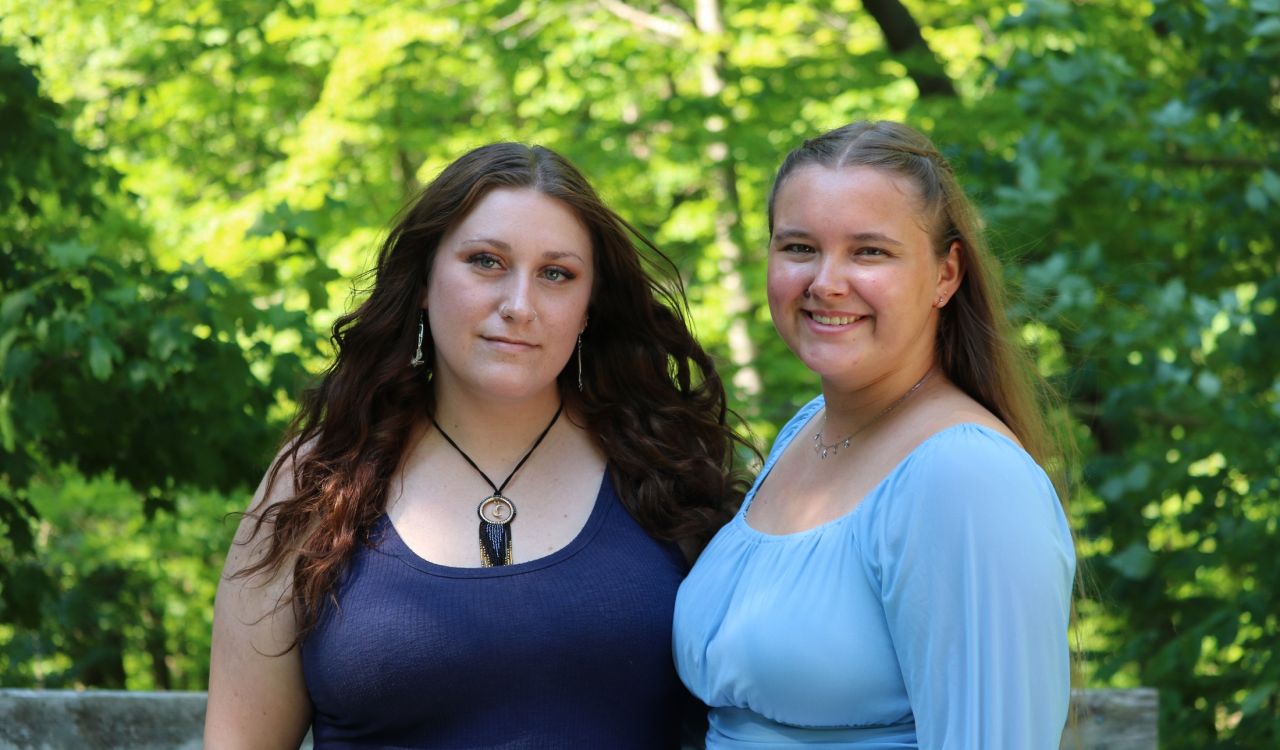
(70, 254)
(1271, 184)
(1267, 27)
(100, 357)
(14, 303)
(1134, 562)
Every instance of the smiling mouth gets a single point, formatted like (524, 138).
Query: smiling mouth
(835, 320)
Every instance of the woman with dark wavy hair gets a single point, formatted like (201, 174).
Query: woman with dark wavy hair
(472, 536)
(900, 574)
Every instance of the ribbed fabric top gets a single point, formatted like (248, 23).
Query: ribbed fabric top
(572, 650)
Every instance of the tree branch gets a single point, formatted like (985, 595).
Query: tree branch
(646, 21)
(902, 33)
(518, 17)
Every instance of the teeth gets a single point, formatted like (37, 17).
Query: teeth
(837, 321)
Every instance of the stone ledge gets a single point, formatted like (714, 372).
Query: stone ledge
(127, 720)
(102, 720)
(1113, 720)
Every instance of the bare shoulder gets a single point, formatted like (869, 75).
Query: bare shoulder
(257, 697)
(251, 594)
(256, 523)
(948, 406)
(279, 483)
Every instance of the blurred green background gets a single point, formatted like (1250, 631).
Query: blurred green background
(188, 191)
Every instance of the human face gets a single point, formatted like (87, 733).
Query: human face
(853, 277)
(507, 296)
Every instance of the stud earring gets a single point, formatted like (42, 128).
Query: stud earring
(417, 360)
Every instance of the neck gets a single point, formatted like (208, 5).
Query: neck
(493, 432)
(851, 410)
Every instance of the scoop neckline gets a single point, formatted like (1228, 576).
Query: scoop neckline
(740, 518)
(385, 539)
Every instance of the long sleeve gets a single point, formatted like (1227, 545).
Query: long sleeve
(975, 562)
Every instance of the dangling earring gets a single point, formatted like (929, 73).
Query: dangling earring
(417, 355)
(579, 361)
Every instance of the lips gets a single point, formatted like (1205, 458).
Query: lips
(834, 320)
(512, 344)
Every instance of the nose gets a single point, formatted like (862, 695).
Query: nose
(518, 306)
(828, 279)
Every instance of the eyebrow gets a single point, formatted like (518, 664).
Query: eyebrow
(789, 234)
(487, 241)
(558, 254)
(506, 247)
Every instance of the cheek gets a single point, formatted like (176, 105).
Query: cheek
(879, 287)
(584, 305)
(780, 284)
(774, 295)
(871, 287)
(572, 312)
(448, 312)
(436, 294)
(441, 325)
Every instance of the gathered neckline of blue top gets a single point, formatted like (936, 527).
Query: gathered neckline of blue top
(385, 539)
(739, 520)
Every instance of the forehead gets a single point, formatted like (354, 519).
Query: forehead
(525, 213)
(868, 197)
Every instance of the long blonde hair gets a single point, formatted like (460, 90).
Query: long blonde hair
(976, 344)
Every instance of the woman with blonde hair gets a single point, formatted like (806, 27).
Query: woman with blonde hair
(900, 574)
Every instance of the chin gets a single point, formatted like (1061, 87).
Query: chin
(827, 366)
(517, 390)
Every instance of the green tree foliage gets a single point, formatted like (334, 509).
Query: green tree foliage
(112, 367)
(1137, 177)
(1143, 183)
(242, 157)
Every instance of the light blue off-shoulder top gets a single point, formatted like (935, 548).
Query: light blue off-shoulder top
(933, 615)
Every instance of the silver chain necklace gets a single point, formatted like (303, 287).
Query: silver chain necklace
(823, 450)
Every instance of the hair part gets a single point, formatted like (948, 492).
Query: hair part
(651, 394)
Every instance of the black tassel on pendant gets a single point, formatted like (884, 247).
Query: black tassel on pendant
(495, 544)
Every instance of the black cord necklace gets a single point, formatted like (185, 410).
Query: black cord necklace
(497, 511)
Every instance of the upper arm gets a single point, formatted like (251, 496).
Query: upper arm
(257, 697)
(977, 568)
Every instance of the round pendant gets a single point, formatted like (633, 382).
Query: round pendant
(496, 509)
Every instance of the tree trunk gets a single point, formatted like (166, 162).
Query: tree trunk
(742, 351)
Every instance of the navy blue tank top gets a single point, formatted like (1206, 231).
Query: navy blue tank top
(572, 650)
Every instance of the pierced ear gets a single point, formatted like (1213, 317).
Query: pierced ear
(951, 270)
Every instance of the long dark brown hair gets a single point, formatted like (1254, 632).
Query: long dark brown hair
(976, 345)
(651, 395)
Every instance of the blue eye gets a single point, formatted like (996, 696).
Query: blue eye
(557, 274)
(484, 260)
